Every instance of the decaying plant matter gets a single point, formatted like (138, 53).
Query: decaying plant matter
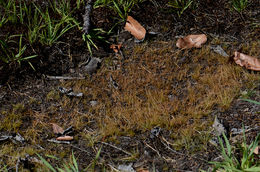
(135, 28)
(191, 41)
(249, 62)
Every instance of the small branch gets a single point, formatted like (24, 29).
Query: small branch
(83, 150)
(168, 147)
(152, 149)
(17, 165)
(64, 77)
(128, 153)
(114, 169)
(86, 17)
(57, 141)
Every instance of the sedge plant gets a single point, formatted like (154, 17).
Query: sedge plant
(53, 29)
(34, 24)
(94, 34)
(67, 167)
(120, 7)
(180, 5)
(70, 166)
(9, 55)
(10, 11)
(231, 163)
(239, 5)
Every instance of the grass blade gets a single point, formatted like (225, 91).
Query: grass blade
(46, 163)
(251, 101)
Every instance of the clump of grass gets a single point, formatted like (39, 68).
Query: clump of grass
(239, 5)
(151, 75)
(230, 163)
(13, 120)
(68, 167)
(13, 54)
(71, 166)
(180, 5)
(121, 7)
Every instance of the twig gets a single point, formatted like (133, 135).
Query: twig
(86, 17)
(17, 165)
(83, 150)
(128, 153)
(57, 141)
(168, 147)
(114, 169)
(145, 69)
(64, 77)
(179, 152)
(153, 149)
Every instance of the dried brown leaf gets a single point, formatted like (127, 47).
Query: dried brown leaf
(135, 28)
(142, 170)
(249, 62)
(64, 138)
(256, 150)
(191, 41)
(116, 47)
(57, 129)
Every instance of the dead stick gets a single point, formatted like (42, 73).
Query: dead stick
(128, 153)
(63, 77)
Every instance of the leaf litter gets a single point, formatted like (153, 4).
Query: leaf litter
(135, 28)
(191, 41)
(249, 62)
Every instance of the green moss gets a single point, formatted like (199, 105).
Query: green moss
(33, 100)
(53, 95)
(19, 107)
(11, 121)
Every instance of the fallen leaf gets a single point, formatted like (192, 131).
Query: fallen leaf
(191, 41)
(116, 47)
(57, 129)
(142, 170)
(256, 150)
(135, 28)
(249, 62)
(64, 138)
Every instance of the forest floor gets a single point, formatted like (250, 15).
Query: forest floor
(150, 106)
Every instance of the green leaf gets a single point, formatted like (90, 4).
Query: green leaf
(253, 169)
(46, 163)
(75, 162)
(251, 101)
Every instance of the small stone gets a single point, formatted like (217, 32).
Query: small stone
(93, 103)
(246, 109)
(218, 127)
(92, 65)
(155, 132)
(126, 168)
(218, 49)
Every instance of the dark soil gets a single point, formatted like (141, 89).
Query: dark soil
(41, 103)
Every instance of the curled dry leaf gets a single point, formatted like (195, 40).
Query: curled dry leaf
(135, 28)
(191, 41)
(116, 47)
(57, 129)
(249, 62)
(64, 138)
